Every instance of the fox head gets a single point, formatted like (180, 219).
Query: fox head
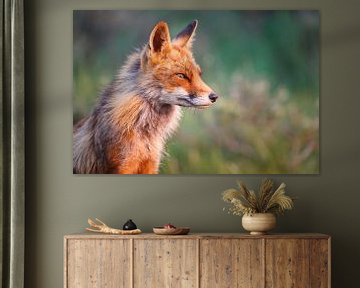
(172, 67)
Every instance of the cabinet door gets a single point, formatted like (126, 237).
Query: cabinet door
(287, 263)
(231, 263)
(98, 263)
(320, 263)
(165, 263)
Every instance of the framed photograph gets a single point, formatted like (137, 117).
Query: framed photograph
(195, 92)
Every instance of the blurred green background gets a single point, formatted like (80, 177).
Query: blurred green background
(264, 64)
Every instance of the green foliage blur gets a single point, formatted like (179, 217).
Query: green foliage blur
(264, 64)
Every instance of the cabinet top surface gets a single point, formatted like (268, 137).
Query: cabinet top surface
(86, 235)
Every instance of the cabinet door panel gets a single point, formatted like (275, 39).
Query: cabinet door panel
(230, 263)
(98, 263)
(319, 263)
(287, 263)
(166, 263)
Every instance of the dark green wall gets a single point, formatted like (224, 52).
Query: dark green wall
(59, 203)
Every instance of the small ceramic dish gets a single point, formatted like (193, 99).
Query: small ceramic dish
(171, 231)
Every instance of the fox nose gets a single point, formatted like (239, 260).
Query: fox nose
(213, 97)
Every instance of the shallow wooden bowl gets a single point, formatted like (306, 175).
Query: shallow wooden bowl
(171, 231)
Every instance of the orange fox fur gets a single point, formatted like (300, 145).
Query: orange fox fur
(138, 111)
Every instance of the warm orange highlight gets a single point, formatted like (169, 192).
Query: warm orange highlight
(128, 112)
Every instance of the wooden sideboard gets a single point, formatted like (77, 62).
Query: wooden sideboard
(197, 260)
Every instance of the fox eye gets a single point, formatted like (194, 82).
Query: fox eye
(182, 76)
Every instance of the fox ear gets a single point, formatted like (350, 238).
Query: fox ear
(186, 36)
(159, 37)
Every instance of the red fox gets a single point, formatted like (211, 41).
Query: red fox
(139, 110)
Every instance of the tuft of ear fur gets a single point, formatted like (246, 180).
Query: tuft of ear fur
(186, 36)
(159, 37)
